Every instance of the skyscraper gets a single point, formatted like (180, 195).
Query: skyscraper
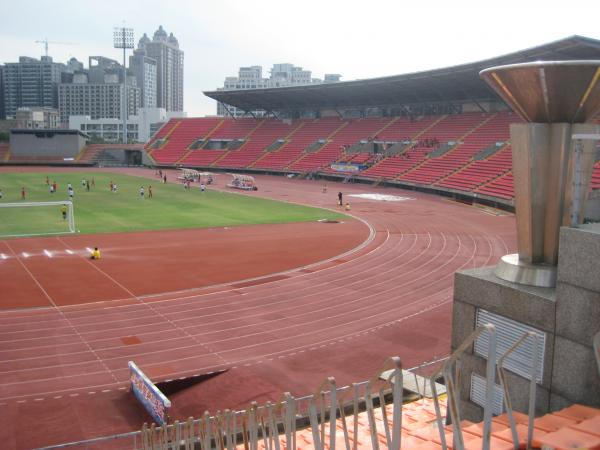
(144, 70)
(2, 114)
(164, 49)
(31, 83)
(97, 92)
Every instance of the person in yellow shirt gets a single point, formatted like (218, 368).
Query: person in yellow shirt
(63, 210)
(95, 253)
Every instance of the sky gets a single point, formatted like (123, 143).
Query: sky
(357, 39)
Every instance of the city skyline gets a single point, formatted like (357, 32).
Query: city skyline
(326, 37)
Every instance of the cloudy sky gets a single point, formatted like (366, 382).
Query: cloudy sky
(356, 38)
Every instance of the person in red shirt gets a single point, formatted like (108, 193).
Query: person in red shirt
(23, 193)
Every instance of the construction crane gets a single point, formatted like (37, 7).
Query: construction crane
(46, 42)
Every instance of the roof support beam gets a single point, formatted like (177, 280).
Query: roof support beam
(226, 106)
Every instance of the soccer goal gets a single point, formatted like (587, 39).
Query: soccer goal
(36, 219)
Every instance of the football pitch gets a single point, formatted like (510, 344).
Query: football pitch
(101, 211)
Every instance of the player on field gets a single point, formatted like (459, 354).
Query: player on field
(95, 253)
(142, 192)
(63, 210)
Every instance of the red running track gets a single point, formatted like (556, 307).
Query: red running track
(64, 368)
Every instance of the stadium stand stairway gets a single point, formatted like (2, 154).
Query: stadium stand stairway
(4, 151)
(405, 130)
(160, 137)
(314, 149)
(307, 132)
(270, 130)
(205, 138)
(501, 187)
(237, 132)
(478, 172)
(347, 134)
(452, 129)
(273, 155)
(181, 136)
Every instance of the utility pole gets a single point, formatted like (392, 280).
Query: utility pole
(123, 38)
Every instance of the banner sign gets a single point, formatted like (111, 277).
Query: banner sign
(154, 401)
(348, 167)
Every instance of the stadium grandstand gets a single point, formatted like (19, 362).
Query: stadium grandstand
(443, 132)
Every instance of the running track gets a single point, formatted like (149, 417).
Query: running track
(65, 368)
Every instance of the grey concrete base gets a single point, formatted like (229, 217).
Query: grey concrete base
(569, 315)
(416, 384)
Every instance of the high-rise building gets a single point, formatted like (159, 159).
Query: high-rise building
(31, 83)
(281, 75)
(164, 49)
(144, 69)
(97, 92)
(2, 114)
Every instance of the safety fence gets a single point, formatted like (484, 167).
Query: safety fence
(333, 416)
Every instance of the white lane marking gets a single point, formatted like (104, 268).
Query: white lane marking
(48, 253)
(3, 256)
(25, 255)
(70, 252)
(89, 250)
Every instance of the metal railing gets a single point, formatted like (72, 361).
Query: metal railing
(451, 373)
(532, 386)
(596, 344)
(331, 414)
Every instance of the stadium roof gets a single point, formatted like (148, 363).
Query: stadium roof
(456, 84)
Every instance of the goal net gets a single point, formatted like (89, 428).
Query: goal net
(36, 218)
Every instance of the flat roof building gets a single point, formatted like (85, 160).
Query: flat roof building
(37, 118)
(281, 75)
(97, 92)
(164, 49)
(144, 69)
(31, 83)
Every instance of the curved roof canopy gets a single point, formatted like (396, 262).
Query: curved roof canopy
(457, 84)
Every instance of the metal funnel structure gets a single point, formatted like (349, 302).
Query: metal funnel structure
(549, 91)
(553, 156)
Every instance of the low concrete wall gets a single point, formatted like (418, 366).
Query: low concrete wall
(45, 143)
(569, 315)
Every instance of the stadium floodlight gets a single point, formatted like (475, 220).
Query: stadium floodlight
(35, 219)
(123, 38)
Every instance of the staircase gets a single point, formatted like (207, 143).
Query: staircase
(270, 159)
(206, 138)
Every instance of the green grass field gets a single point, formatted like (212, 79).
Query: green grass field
(101, 211)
